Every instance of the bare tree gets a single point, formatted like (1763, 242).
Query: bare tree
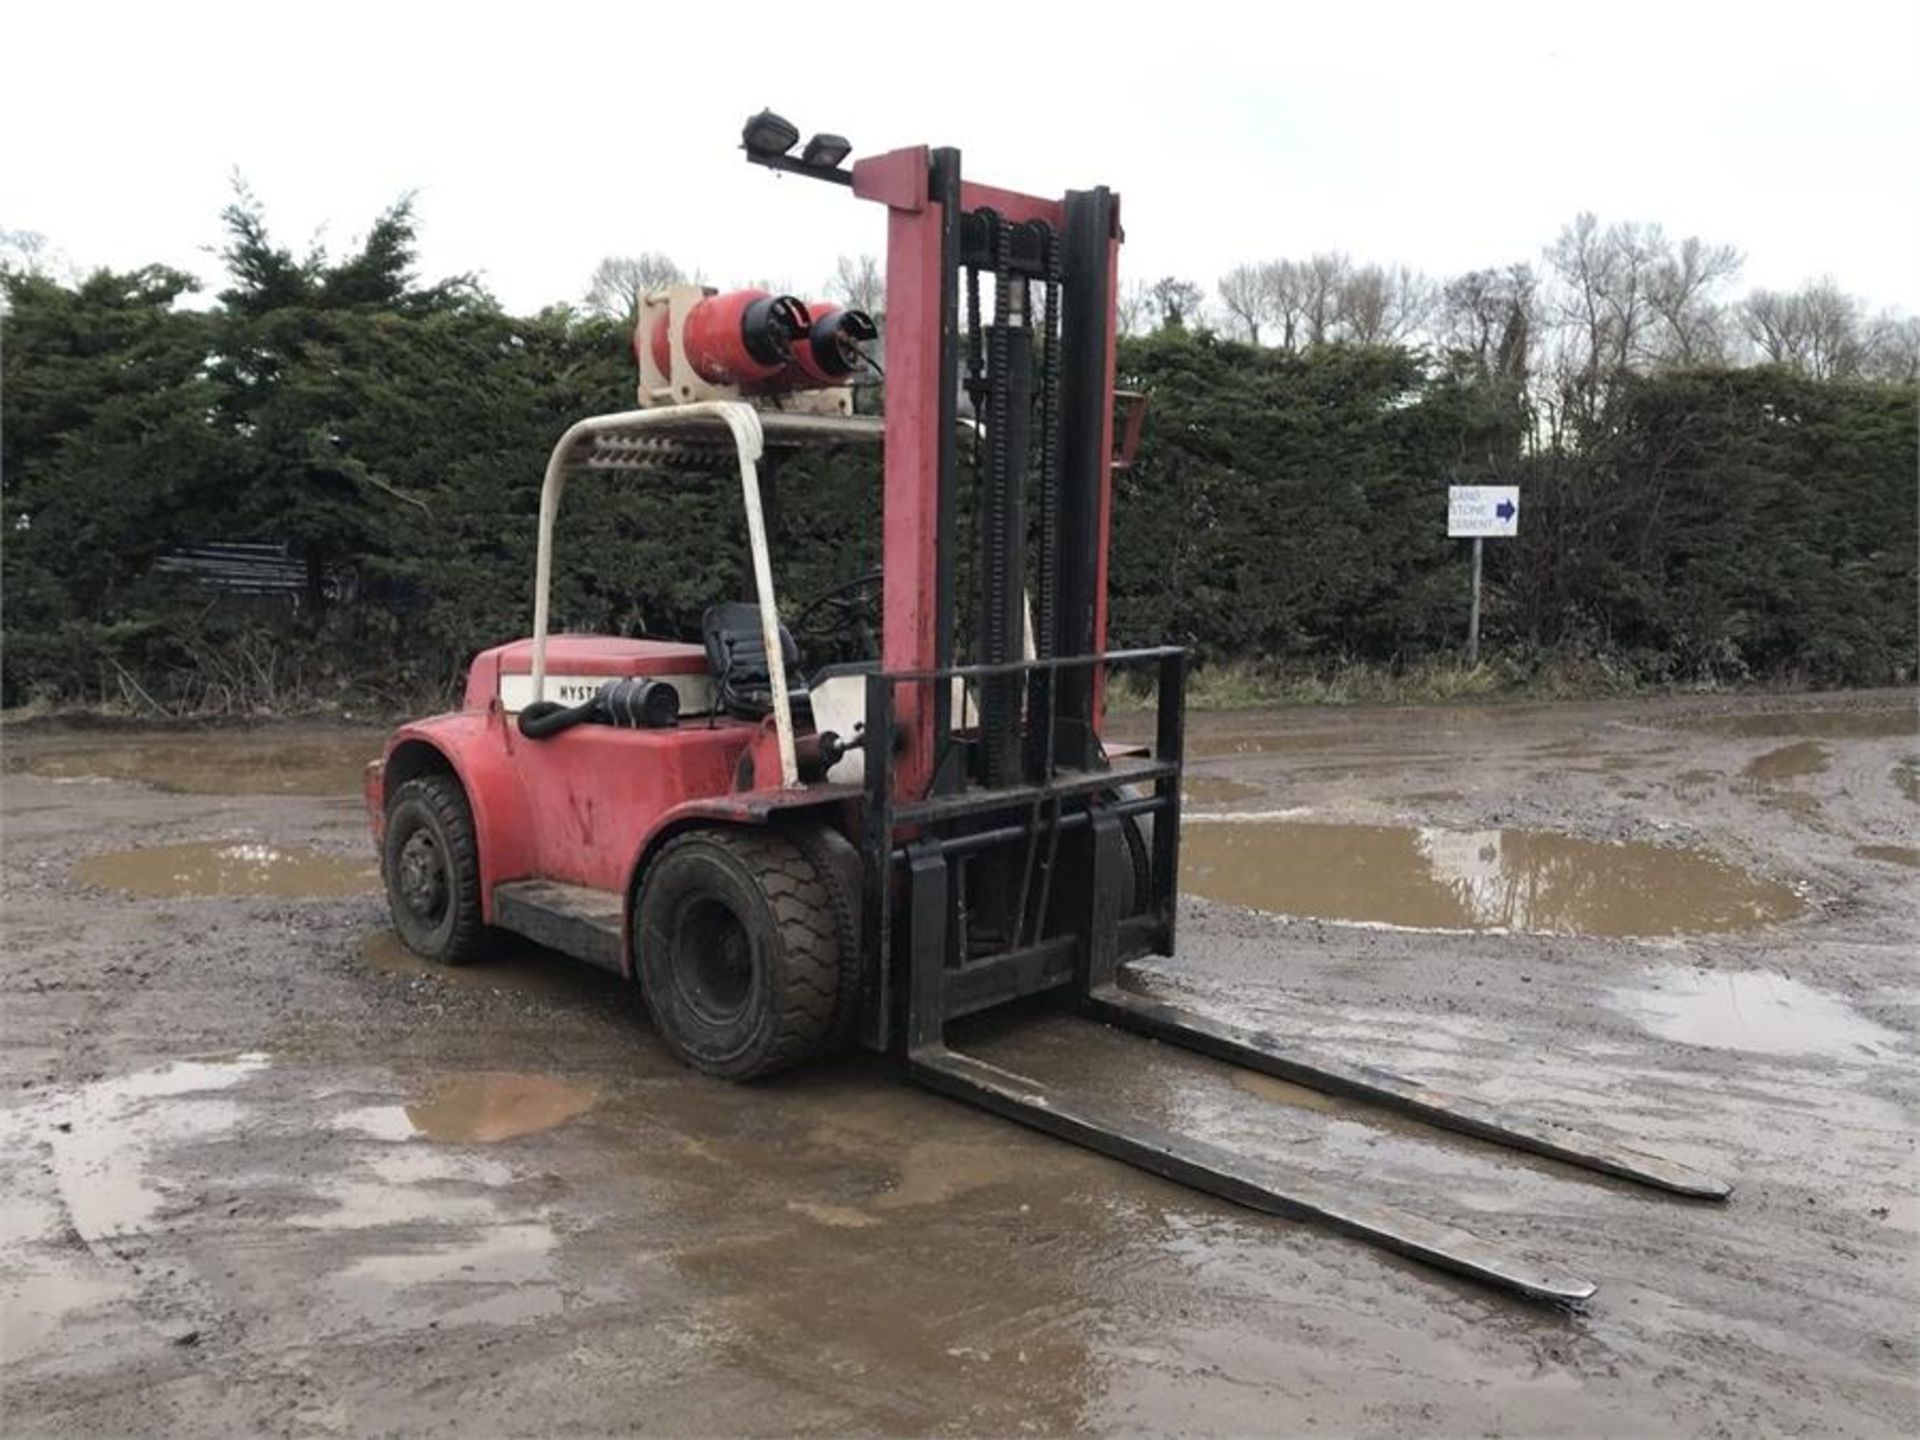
(1176, 301)
(1309, 302)
(1601, 308)
(1835, 342)
(1626, 297)
(1320, 280)
(1769, 318)
(1361, 304)
(1893, 348)
(1379, 305)
(1488, 316)
(1815, 329)
(26, 252)
(1284, 295)
(620, 280)
(859, 283)
(1692, 323)
(1133, 306)
(1583, 267)
(1244, 293)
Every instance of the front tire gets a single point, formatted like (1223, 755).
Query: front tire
(742, 952)
(431, 864)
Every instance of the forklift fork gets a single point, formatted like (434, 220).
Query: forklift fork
(941, 983)
(1256, 1184)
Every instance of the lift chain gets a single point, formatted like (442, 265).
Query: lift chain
(1040, 716)
(976, 366)
(1040, 712)
(1048, 579)
(996, 644)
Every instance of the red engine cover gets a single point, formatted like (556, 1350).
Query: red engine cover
(603, 655)
(609, 655)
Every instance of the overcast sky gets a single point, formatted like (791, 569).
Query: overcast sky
(541, 136)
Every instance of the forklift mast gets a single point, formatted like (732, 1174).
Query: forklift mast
(1004, 827)
(1063, 254)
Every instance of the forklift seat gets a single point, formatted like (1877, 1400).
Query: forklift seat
(737, 656)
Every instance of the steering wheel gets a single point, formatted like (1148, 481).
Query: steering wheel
(847, 610)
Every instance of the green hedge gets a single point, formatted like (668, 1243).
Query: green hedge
(1728, 524)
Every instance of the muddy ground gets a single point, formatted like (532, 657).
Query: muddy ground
(262, 1172)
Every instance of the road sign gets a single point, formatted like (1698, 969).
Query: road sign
(1480, 513)
(1477, 512)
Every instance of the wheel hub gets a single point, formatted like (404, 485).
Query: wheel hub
(718, 959)
(422, 877)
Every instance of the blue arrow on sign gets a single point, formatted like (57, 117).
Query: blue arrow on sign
(1506, 510)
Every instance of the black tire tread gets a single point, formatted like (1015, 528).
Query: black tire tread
(800, 898)
(846, 1018)
(444, 797)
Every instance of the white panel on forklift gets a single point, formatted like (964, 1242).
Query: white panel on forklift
(840, 705)
(516, 691)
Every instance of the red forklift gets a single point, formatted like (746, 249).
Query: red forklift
(787, 864)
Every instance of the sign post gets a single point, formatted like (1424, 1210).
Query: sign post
(1473, 611)
(1479, 513)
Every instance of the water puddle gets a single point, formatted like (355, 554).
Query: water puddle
(377, 1122)
(1215, 790)
(407, 1185)
(386, 952)
(1751, 1010)
(1907, 855)
(424, 1235)
(1578, 746)
(864, 1129)
(834, 1217)
(231, 868)
(1426, 878)
(486, 1109)
(933, 1172)
(477, 1110)
(513, 965)
(438, 1238)
(1803, 807)
(210, 762)
(36, 1307)
(1218, 744)
(1285, 1092)
(504, 1276)
(1865, 724)
(1612, 764)
(102, 1139)
(1789, 762)
(1362, 1130)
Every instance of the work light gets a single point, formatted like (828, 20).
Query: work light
(767, 135)
(826, 151)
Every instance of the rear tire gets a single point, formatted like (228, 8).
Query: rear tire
(431, 864)
(743, 952)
